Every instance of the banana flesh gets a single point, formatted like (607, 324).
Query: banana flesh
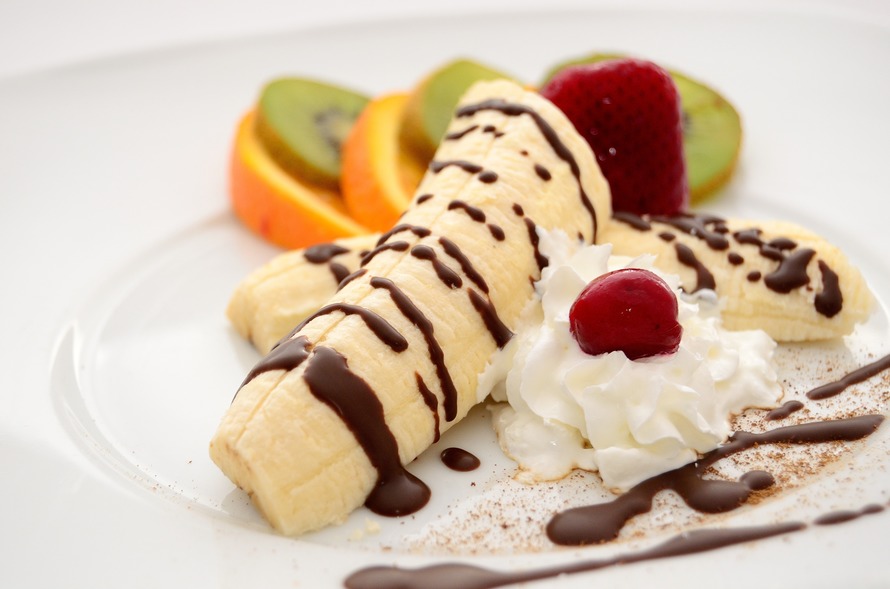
(263, 314)
(770, 275)
(326, 420)
(275, 297)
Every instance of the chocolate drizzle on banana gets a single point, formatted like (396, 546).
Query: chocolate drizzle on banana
(789, 261)
(440, 261)
(325, 254)
(547, 131)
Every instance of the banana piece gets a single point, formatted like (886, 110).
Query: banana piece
(770, 275)
(275, 297)
(326, 420)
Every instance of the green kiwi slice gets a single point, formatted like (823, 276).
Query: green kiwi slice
(712, 129)
(432, 103)
(303, 124)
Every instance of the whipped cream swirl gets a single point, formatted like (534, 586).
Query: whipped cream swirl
(629, 420)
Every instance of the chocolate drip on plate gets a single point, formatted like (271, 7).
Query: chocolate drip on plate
(459, 459)
(857, 376)
(463, 576)
(784, 410)
(603, 522)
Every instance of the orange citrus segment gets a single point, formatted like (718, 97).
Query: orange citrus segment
(277, 206)
(378, 177)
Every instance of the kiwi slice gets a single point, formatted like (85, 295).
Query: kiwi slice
(432, 102)
(303, 123)
(712, 129)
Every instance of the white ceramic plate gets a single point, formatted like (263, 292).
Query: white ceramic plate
(119, 254)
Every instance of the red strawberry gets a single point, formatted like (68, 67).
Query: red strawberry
(632, 310)
(629, 112)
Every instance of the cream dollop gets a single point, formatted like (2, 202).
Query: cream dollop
(630, 420)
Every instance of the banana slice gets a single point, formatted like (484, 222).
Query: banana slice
(277, 296)
(326, 421)
(771, 275)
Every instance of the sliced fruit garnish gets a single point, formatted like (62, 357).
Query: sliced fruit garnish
(712, 129)
(378, 176)
(629, 112)
(631, 310)
(280, 208)
(303, 123)
(433, 100)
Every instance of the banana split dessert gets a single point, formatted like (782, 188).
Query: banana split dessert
(544, 265)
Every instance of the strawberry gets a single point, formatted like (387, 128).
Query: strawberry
(629, 112)
(631, 310)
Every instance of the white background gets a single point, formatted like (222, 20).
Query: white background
(36, 34)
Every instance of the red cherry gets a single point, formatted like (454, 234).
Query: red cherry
(629, 112)
(631, 310)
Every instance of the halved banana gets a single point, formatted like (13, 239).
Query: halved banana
(326, 420)
(770, 275)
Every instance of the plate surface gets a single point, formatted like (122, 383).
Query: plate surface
(117, 233)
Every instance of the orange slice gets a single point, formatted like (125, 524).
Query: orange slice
(378, 177)
(277, 206)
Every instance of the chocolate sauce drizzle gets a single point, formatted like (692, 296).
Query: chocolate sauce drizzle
(603, 522)
(401, 228)
(455, 135)
(437, 356)
(349, 278)
(432, 402)
(857, 376)
(468, 167)
(499, 332)
(784, 410)
(549, 133)
(286, 355)
(397, 246)
(463, 576)
(474, 213)
(448, 276)
(704, 278)
(789, 275)
(459, 459)
(324, 254)
(452, 249)
(397, 491)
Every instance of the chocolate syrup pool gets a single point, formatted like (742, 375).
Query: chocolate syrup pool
(602, 522)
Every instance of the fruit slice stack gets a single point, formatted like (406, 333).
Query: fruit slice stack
(314, 162)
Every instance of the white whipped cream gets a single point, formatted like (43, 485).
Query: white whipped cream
(630, 420)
